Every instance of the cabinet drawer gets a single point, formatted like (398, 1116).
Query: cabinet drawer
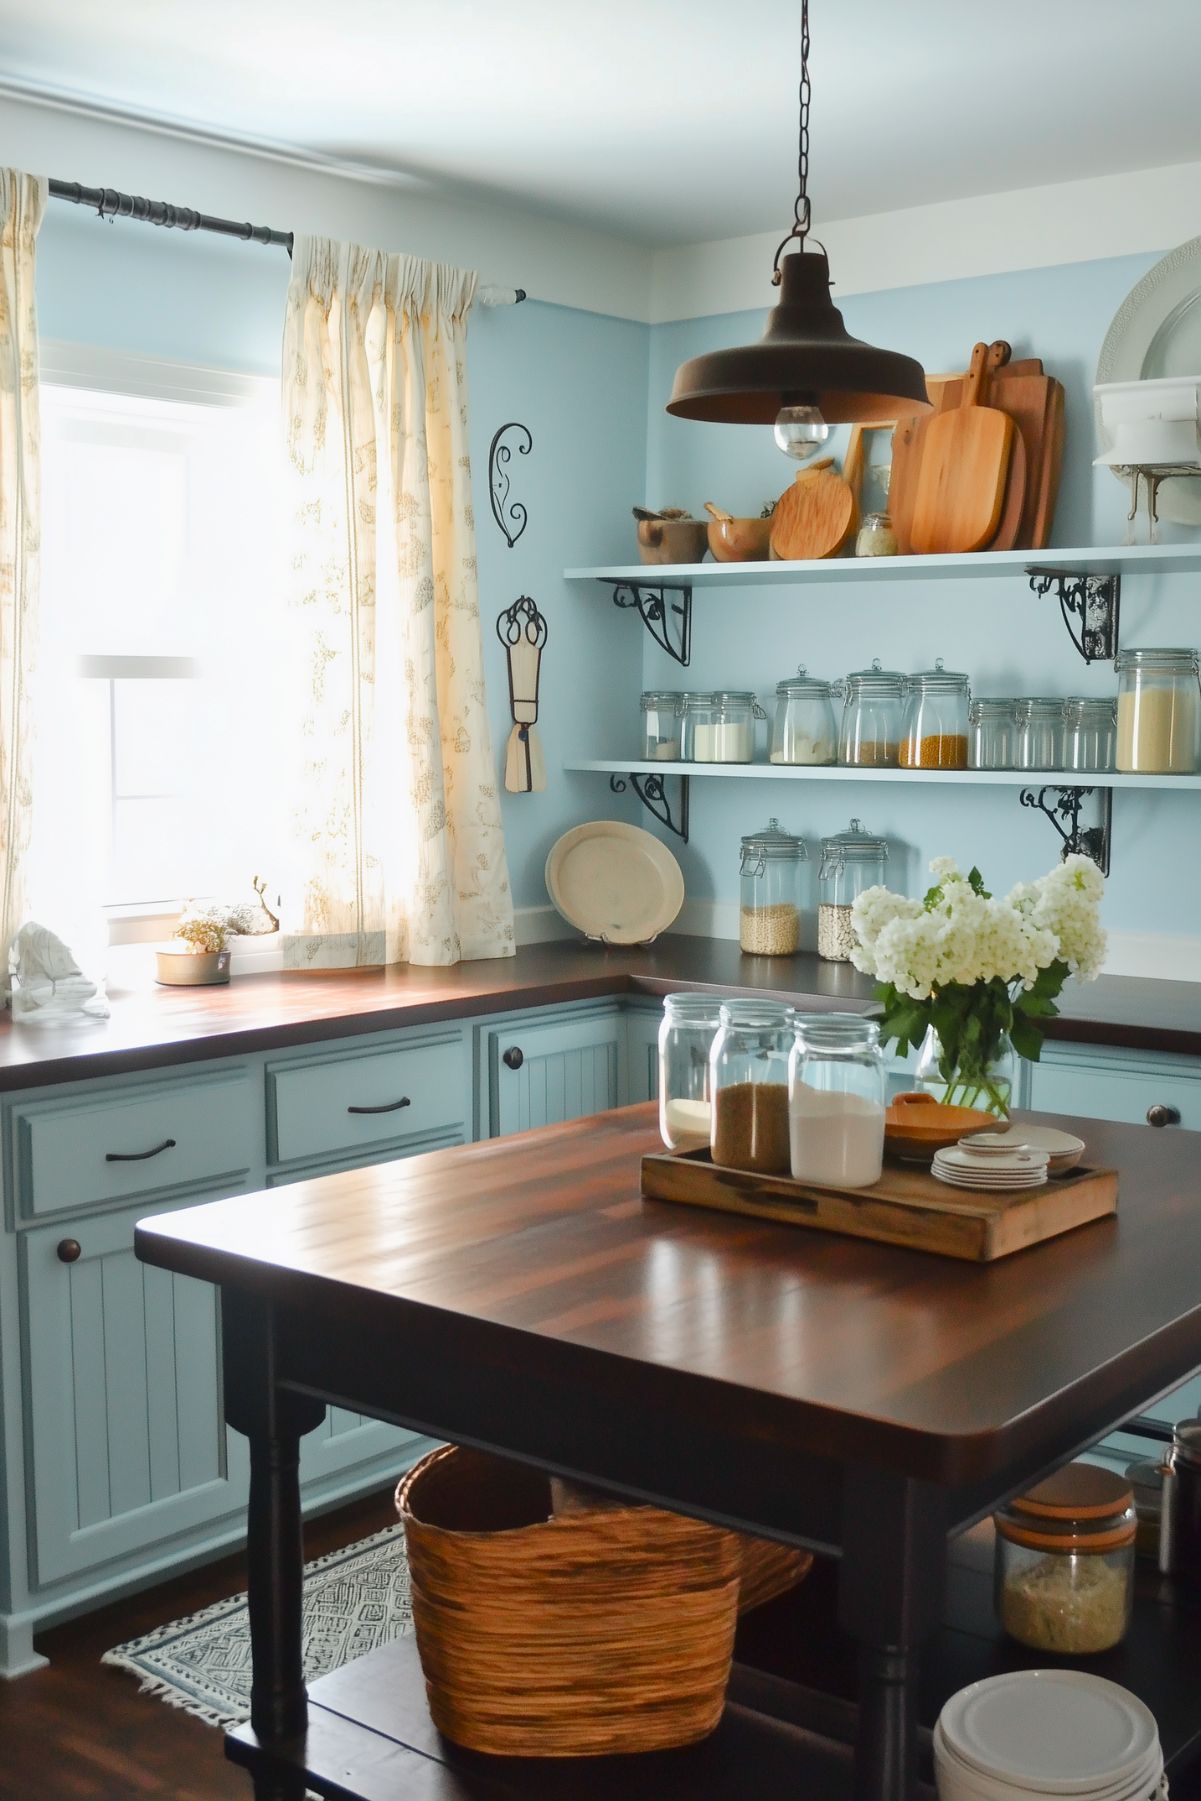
(339, 1103)
(1123, 1088)
(206, 1130)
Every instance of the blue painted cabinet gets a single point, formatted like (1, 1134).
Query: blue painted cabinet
(542, 1071)
(642, 1053)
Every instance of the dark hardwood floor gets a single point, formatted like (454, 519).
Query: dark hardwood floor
(81, 1731)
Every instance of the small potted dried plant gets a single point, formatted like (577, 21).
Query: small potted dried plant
(198, 955)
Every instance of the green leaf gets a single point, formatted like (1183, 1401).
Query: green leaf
(1027, 1039)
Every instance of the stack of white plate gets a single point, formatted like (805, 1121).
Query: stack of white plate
(1064, 1148)
(993, 1168)
(1044, 1733)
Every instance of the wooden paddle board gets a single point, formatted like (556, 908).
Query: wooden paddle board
(964, 467)
(814, 517)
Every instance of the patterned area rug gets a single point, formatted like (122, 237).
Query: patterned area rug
(354, 1600)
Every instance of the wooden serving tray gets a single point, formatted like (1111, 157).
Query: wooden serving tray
(906, 1206)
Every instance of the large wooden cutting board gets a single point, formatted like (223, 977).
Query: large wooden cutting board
(1034, 401)
(815, 516)
(908, 1206)
(964, 467)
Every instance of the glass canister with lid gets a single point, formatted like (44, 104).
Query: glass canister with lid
(991, 734)
(1038, 725)
(1089, 734)
(836, 1100)
(719, 727)
(1159, 712)
(686, 1035)
(748, 1077)
(803, 730)
(936, 719)
(769, 913)
(661, 725)
(851, 862)
(1064, 1569)
(876, 537)
(873, 705)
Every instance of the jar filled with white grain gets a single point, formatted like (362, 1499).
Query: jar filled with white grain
(686, 1035)
(1159, 712)
(769, 913)
(1064, 1569)
(851, 862)
(803, 729)
(836, 1100)
(661, 725)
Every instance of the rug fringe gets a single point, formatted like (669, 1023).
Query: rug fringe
(164, 1690)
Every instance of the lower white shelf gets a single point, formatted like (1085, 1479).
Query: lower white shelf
(792, 772)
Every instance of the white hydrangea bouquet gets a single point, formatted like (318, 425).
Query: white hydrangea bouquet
(979, 972)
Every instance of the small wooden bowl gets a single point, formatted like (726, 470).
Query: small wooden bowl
(740, 540)
(916, 1125)
(671, 540)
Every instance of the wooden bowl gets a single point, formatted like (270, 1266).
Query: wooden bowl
(740, 540)
(916, 1125)
(671, 540)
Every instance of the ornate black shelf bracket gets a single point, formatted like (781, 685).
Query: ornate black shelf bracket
(669, 622)
(510, 515)
(1090, 605)
(653, 795)
(1093, 841)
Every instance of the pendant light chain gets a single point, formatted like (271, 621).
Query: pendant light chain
(801, 212)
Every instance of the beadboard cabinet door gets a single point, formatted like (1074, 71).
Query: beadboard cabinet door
(125, 1433)
(642, 1053)
(546, 1071)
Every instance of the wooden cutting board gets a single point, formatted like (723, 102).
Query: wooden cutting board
(946, 391)
(964, 467)
(907, 1206)
(815, 516)
(1034, 401)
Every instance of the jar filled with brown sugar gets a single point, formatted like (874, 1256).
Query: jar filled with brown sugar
(873, 704)
(748, 1082)
(936, 719)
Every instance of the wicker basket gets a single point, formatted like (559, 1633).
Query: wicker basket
(579, 1636)
(768, 1569)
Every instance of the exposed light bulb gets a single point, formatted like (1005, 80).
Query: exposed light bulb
(800, 432)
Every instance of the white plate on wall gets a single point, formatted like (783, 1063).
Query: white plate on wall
(614, 881)
(1156, 332)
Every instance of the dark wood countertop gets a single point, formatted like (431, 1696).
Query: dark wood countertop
(167, 1026)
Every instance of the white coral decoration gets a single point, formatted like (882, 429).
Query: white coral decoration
(962, 937)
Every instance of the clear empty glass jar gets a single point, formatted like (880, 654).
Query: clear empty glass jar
(748, 1081)
(1159, 712)
(869, 733)
(720, 727)
(1039, 729)
(686, 1035)
(1089, 734)
(836, 1100)
(769, 913)
(851, 862)
(991, 734)
(1064, 1570)
(936, 720)
(876, 537)
(661, 725)
(803, 729)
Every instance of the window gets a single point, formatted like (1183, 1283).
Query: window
(155, 774)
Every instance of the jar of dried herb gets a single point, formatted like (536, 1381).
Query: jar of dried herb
(748, 1082)
(1064, 1572)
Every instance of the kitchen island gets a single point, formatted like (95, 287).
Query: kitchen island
(521, 1296)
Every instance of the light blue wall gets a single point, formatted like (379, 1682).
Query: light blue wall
(996, 629)
(578, 380)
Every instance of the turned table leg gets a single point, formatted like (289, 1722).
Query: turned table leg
(890, 1596)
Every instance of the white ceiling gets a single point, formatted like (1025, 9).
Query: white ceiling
(664, 121)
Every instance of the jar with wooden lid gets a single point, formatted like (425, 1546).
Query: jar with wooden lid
(748, 1081)
(686, 1035)
(936, 719)
(1064, 1570)
(873, 704)
(1159, 712)
(769, 912)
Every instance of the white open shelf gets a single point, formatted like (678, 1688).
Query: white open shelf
(792, 772)
(1135, 559)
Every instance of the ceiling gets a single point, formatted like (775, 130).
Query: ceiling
(663, 121)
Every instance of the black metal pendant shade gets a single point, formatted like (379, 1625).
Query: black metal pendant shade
(806, 357)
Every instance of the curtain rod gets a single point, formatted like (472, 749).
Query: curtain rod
(111, 204)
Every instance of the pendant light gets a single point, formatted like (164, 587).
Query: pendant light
(806, 373)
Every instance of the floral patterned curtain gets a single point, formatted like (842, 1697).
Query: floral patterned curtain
(396, 816)
(22, 204)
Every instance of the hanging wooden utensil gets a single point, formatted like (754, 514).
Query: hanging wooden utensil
(522, 630)
(965, 464)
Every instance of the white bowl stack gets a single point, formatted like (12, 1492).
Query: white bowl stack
(1061, 1734)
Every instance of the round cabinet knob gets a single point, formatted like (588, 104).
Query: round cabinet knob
(1161, 1115)
(514, 1057)
(68, 1250)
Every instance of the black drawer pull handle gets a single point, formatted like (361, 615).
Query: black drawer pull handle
(514, 1057)
(168, 1144)
(68, 1250)
(1161, 1115)
(388, 1107)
